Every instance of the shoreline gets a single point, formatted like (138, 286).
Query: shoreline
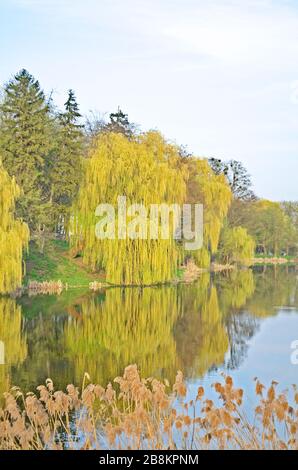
(190, 273)
(274, 261)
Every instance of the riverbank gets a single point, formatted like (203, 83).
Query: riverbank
(55, 270)
(56, 265)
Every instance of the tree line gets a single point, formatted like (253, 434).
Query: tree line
(59, 166)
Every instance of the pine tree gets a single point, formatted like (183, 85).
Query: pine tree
(65, 164)
(14, 235)
(25, 136)
(119, 123)
(72, 114)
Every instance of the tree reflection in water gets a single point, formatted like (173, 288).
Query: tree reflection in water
(193, 327)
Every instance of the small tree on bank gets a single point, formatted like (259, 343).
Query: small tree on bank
(236, 246)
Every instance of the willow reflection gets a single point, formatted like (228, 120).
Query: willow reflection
(160, 329)
(192, 327)
(127, 326)
(13, 340)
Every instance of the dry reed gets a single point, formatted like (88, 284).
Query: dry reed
(139, 413)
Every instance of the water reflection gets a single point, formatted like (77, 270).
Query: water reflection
(276, 287)
(13, 339)
(195, 328)
(127, 325)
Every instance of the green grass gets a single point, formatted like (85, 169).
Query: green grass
(180, 273)
(56, 264)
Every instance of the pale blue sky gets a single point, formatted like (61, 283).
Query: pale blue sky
(219, 76)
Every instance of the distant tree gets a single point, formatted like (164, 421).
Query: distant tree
(65, 164)
(25, 142)
(93, 125)
(72, 113)
(119, 124)
(237, 176)
(269, 226)
(291, 210)
(240, 212)
(273, 225)
(218, 166)
(236, 246)
(184, 152)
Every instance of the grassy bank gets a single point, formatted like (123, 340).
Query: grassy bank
(56, 264)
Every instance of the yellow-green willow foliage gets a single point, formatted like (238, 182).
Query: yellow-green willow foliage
(127, 326)
(14, 235)
(211, 190)
(145, 170)
(13, 340)
(236, 246)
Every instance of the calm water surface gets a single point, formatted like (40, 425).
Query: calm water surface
(242, 322)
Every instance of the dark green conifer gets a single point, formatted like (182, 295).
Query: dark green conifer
(25, 142)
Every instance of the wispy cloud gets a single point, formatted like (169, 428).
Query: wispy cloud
(216, 74)
(229, 30)
(239, 35)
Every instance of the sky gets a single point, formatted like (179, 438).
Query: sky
(218, 76)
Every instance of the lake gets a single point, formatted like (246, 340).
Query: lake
(241, 322)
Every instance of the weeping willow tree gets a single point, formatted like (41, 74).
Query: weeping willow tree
(144, 170)
(236, 246)
(212, 190)
(127, 326)
(14, 235)
(13, 340)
